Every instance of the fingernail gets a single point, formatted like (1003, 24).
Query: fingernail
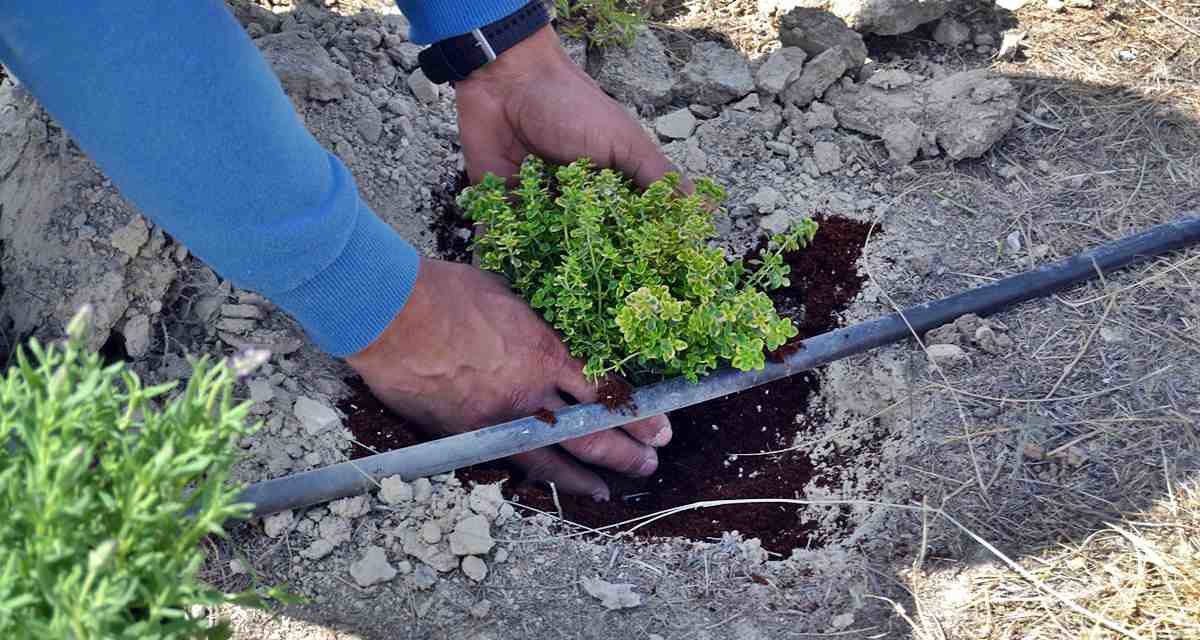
(648, 466)
(600, 495)
(662, 437)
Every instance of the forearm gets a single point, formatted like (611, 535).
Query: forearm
(176, 105)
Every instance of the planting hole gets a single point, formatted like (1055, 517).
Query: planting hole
(706, 459)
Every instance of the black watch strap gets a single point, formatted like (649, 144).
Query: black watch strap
(454, 59)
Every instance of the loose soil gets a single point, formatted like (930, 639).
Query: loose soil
(703, 461)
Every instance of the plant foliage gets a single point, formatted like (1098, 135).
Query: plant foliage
(629, 279)
(106, 497)
(600, 22)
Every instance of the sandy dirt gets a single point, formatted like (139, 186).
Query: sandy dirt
(945, 467)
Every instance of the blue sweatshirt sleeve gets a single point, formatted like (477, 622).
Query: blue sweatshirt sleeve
(176, 105)
(433, 20)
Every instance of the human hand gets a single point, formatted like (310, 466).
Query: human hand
(465, 352)
(534, 100)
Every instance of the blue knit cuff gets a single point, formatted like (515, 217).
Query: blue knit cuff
(349, 303)
(434, 20)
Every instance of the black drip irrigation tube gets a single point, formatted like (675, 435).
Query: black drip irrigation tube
(502, 440)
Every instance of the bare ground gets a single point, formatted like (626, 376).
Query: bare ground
(1043, 487)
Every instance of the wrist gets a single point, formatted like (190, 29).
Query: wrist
(528, 59)
(406, 322)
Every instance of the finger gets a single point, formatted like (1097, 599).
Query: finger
(634, 153)
(614, 449)
(654, 431)
(568, 476)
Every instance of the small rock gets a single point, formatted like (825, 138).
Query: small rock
(1080, 4)
(749, 103)
(1012, 242)
(816, 31)
(842, 621)
(370, 123)
(984, 39)
(676, 125)
(612, 596)
(820, 72)
(237, 567)
(820, 116)
(318, 549)
(471, 536)
(304, 67)
(474, 568)
(372, 568)
(703, 111)
(902, 139)
(952, 33)
(431, 533)
(334, 529)
(715, 75)
(777, 222)
(986, 338)
(277, 524)
(764, 200)
(827, 156)
(422, 88)
(137, 335)
(945, 334)
(350, 507)
(247, 311)
(315, 416)
(1010, 44)
(404, 567)
(486, 500)
(260, 390)
(236, 325)
(888, 17)
(405, 54)
(395, 490)
(779, 70)
(1011, 5)
(422, 490)
(810, 167)
(890, 79)
(946, 355)
(130, 238)
(1056, 5)
(638, 75)
(780, 148)
(424, 577)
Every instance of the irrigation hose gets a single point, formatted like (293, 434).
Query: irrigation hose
(491, 443)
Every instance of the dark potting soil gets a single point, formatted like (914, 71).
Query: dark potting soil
(705, 460)
(450, 220)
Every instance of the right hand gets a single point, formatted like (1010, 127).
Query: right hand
(466, 352)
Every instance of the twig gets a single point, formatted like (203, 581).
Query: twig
(1086, 343)
(1171, 18)
(557, 504)
(1082, 396)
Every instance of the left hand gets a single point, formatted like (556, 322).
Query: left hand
(534, 99)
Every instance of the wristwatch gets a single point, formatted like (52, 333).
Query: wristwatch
(453, 59)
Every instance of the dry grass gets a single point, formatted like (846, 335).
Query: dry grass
(1141, 573)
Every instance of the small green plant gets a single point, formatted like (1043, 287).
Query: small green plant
(629, 279)
(599, 22)
(106, 497)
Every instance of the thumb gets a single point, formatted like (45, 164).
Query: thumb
(639, 157)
